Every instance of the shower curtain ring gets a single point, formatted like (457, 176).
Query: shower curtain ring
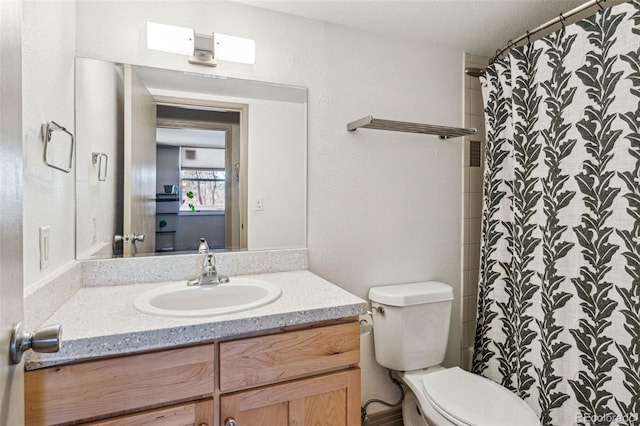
(495, 57)
(562, 21)
(599, 5)
(528, 37)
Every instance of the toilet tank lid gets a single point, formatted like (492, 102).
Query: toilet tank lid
(411, 294)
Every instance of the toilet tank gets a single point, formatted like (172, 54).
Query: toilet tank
(411, 324)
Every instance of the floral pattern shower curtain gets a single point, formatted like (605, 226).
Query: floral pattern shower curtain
(559, 296)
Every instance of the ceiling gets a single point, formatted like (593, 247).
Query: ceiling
(193, 138)
(476, 26)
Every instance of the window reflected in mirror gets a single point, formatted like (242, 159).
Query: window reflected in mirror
(202, 189)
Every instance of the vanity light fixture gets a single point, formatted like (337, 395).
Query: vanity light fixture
(202, 49)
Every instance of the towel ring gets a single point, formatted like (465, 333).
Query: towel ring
(47, 130)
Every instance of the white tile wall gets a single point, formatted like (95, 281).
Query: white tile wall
(475, 204)
(475, 179)
(472, 208)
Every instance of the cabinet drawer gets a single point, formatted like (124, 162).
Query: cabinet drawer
(193, 413)
(99, 388)
(269, 359)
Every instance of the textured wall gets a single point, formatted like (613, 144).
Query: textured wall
(383, 207)
(48, 94)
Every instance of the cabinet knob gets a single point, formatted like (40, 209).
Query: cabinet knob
(230, 422)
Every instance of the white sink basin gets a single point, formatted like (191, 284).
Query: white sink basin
(179, 300)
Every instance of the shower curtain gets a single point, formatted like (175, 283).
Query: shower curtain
(559, 294)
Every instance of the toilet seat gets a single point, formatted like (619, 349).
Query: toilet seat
(457, 397)
(469, 399)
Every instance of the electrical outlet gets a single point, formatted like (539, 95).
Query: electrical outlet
(44, 246)
(259, 204)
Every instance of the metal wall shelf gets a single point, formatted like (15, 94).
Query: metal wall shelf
(443, 132)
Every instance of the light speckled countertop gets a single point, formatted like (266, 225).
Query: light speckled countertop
(101, 321)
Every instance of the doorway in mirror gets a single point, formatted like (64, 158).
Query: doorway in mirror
(198, 178)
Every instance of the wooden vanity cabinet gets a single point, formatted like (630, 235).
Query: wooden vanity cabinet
(306, 376)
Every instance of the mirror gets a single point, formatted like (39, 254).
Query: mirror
(165, 157)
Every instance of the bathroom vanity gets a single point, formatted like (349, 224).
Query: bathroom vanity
(294, 361)
(305, 376)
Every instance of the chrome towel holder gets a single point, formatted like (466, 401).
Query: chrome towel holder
(443, 132)
(47, 131)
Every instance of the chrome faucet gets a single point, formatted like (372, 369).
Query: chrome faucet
(209, 273)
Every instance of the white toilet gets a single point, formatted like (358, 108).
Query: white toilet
(411, 329)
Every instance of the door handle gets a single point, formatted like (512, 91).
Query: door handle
(125, 238)
(137, 237)
(120, 238)
(45, 339)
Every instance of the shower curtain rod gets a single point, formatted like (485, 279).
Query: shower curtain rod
(559, 20)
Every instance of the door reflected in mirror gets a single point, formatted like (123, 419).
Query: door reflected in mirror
(190, 156)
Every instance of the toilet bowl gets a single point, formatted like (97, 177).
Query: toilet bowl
(453, 396)
(410, 331)
(411, 411)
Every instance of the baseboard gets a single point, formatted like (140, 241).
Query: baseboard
(391, 417)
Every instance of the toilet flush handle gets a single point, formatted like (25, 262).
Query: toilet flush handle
(380, 309)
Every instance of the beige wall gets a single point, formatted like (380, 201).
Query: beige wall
(472, 207)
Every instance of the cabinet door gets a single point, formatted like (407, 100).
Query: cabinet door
(195, 413)
(329, 400)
